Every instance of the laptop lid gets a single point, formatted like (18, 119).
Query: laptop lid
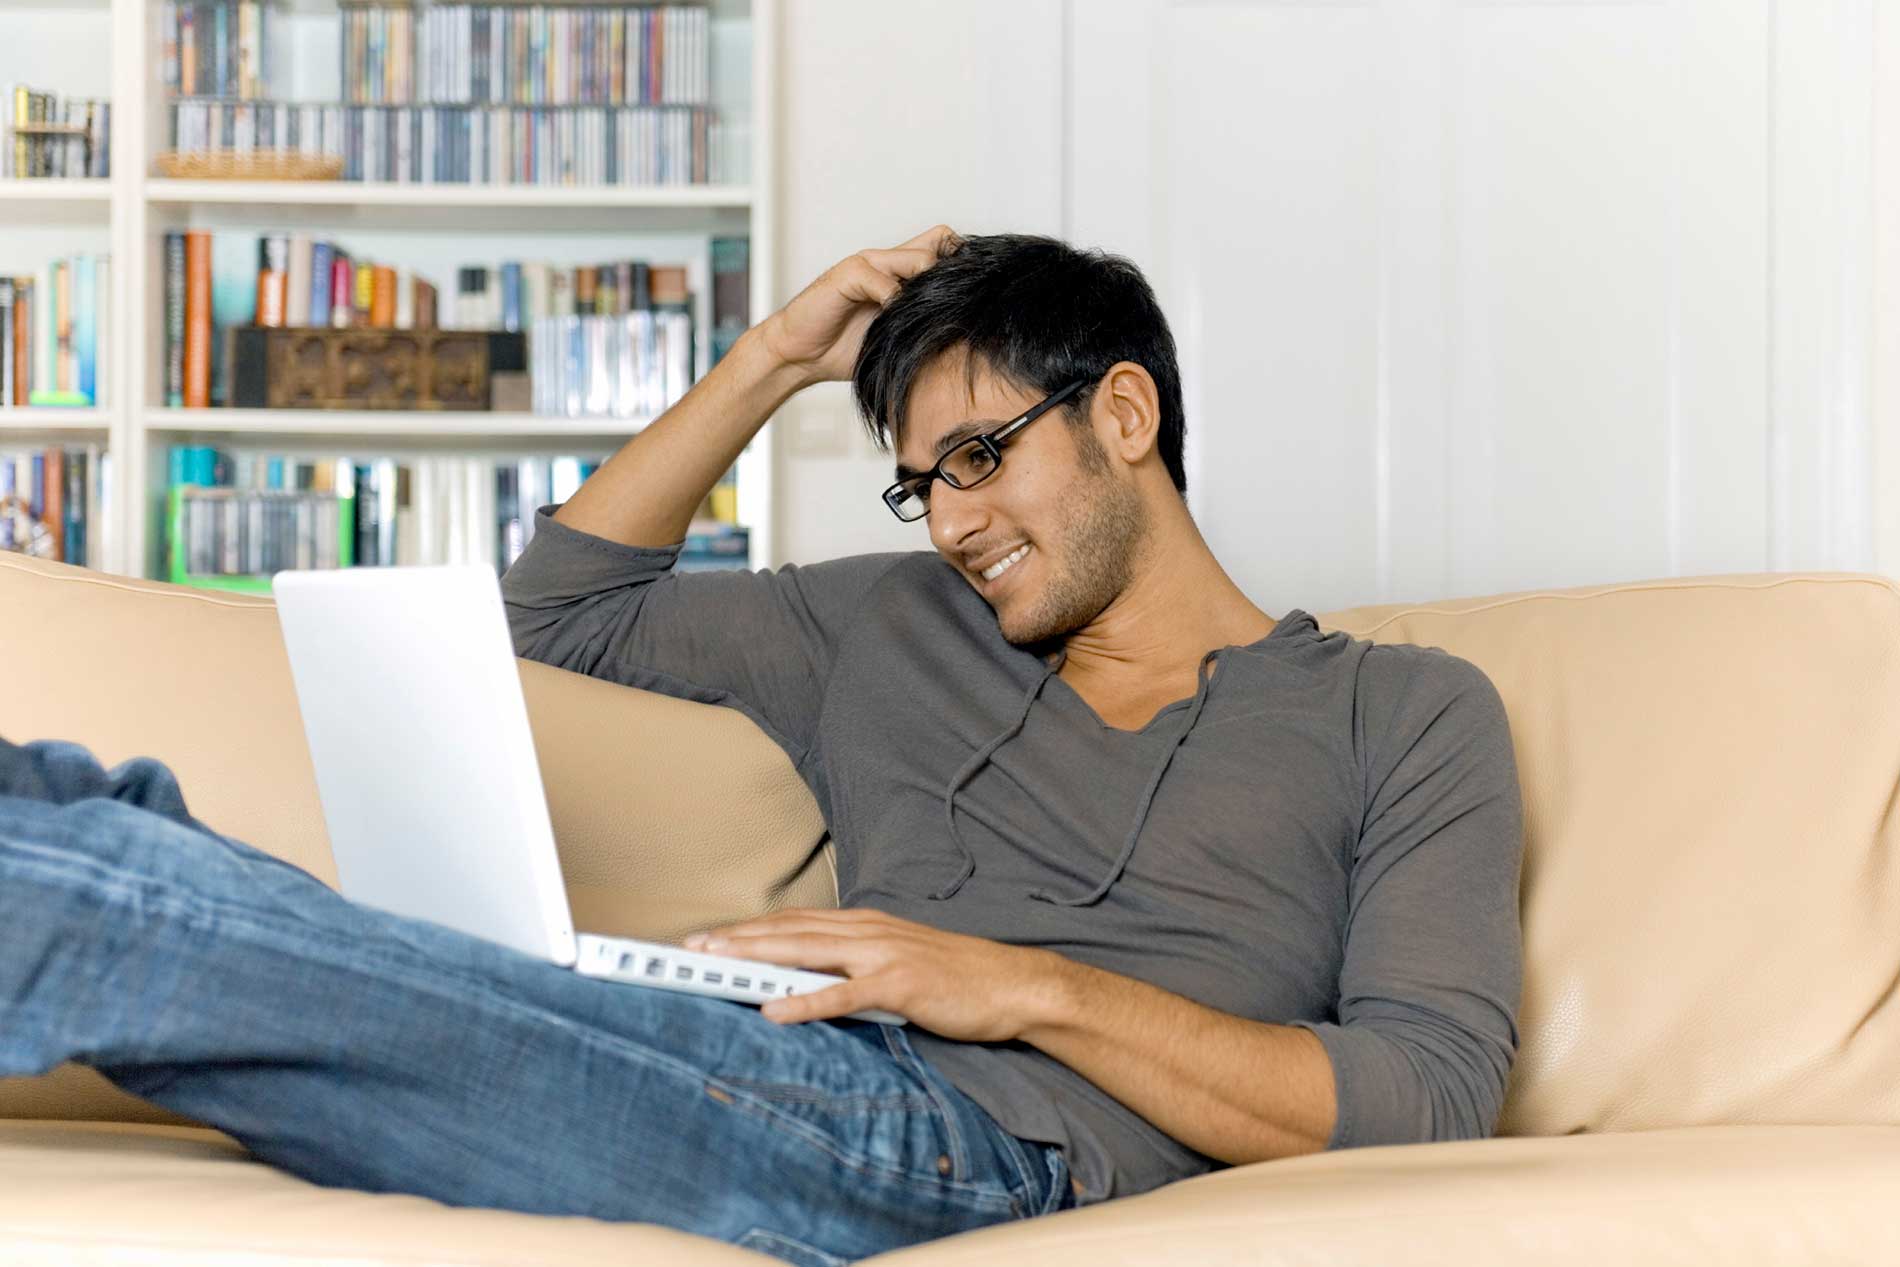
(425, 764)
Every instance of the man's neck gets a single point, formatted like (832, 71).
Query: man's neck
(1179, 605)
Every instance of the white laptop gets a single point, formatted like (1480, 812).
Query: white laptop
(425, 765)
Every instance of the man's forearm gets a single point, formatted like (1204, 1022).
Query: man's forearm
(645, 495)
(1235, 1089)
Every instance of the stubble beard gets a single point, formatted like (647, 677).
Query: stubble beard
(1097, 543)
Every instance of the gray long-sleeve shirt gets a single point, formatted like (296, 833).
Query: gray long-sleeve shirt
(1327, 835)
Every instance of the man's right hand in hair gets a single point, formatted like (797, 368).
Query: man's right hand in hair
(645, 495)
(820, 331)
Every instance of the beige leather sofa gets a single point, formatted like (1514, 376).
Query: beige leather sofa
(1710, 1065)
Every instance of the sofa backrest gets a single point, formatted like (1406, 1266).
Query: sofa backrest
(1711, 887)
(670, 816)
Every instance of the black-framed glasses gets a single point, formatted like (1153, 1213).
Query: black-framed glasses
(970, 463)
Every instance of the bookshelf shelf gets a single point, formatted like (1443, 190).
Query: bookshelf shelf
(339, 193)
(96, 190)
(385, 425)
(41, 420)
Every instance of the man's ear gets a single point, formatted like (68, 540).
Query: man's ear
(1127, 411)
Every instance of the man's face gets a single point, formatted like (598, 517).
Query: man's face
(1057, 493)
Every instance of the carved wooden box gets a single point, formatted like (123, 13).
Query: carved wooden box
(370, 369)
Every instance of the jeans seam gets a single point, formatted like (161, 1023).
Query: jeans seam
(792, 1124)
(959, 1150)
(1059, 1188)
(1018, 1157)
(795, 1093)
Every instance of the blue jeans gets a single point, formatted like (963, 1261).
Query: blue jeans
(364, 1050)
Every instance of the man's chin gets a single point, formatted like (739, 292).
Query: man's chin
(1026, 630)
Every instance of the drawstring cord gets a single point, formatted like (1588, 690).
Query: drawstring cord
(982, 755)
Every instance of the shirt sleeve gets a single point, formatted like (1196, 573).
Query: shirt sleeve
(1433, 959)
(761, 642)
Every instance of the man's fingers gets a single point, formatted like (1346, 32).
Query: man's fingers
(860, 279)
(819, 1005)
(900, 261)
(933, 238)
(818, 952)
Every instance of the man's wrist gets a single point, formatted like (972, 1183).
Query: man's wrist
(1048, 996)
(772, 375)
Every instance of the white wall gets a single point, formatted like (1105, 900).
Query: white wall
(1760, 431)
(1886, 289)
(896, 117)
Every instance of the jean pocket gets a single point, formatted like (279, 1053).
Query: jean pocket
(789, 1249)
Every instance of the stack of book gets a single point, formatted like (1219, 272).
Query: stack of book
(238, 517)
(613, 340)
(217, 48)
(515, 54)
(53, 334)
(483, 145)
(53, 500)
(463, 94)
(82, 147)
(216, 283)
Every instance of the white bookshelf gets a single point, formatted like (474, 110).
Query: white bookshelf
(130, 213)
(316, 193)
(40, 420)
(98, 192)
(525, 429)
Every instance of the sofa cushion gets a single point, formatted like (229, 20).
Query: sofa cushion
(670, 816)
(157, 1196)
(1711, 890)
(1741, 1196)
(101, 1193)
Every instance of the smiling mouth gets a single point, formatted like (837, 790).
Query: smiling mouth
(991, 573)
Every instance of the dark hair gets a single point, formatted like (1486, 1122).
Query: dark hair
(1037, 313)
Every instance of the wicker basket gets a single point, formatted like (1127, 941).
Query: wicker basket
(251, 165)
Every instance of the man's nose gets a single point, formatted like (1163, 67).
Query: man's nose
(956, 515)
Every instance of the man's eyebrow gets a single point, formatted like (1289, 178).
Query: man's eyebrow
(952, 438)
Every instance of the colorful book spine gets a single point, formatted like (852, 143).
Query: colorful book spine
(197, 319)
(322, 276)
(85, 299)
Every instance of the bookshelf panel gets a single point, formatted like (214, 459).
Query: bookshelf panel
(35, 425)
(381, 428)
(333, 193)
(297, 205)
(61, 196)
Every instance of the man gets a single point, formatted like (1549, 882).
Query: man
(1161, 882)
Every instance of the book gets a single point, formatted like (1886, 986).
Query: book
(297, 280)
(322, 275)
(731, 292)
(25, 304)
(64, 362)
(85, 327)
(233, 304)
(273, 275)
(382, 303)
(6, 341)
(342, 290)
(197, 319)
(47, 497)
